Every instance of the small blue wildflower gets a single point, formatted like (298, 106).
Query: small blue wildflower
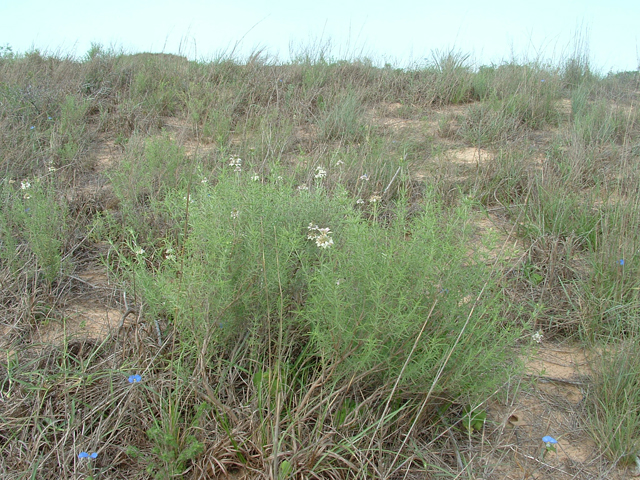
(94, 455)
(88, 455)
(49, 118)
(135, 378)
(620, 262)
(31, 128)
(550, 445)
(542, 80)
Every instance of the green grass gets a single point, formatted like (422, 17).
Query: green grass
(261, 343)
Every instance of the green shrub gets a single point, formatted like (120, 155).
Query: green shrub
(250, 267)
(32, 225)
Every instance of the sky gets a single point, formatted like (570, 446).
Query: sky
(399, 32)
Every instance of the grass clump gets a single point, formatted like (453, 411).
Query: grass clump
(613, 401)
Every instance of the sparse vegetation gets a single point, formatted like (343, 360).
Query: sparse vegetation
(292, 266)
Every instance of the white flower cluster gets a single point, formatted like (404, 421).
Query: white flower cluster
(537, 337)
(320, 173)
(320, 235)
(235, 162)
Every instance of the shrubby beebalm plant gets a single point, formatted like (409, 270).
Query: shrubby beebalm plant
(320, 235)
(235, 162)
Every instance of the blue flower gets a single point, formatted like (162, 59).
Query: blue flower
(620, 262)
(88, 455)
(549, 440)
(135, 378)
(542, 80)
(49, 118)
(31, 128)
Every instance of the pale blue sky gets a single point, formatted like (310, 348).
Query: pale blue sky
(400, 31)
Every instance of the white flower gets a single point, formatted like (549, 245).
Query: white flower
(339, 162)
(324, 241)
(24, 185)
(537, 337)
(27, 196)
(374, 198)
(204, 180)
(235, 162)
(279, 178)
(190, 199)
(139, 251)
(255, 177)
(235, 213)
(320, 172)
(303, 187)
(364, 177)
(360, 201)
(320, 235)
(52, 168)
